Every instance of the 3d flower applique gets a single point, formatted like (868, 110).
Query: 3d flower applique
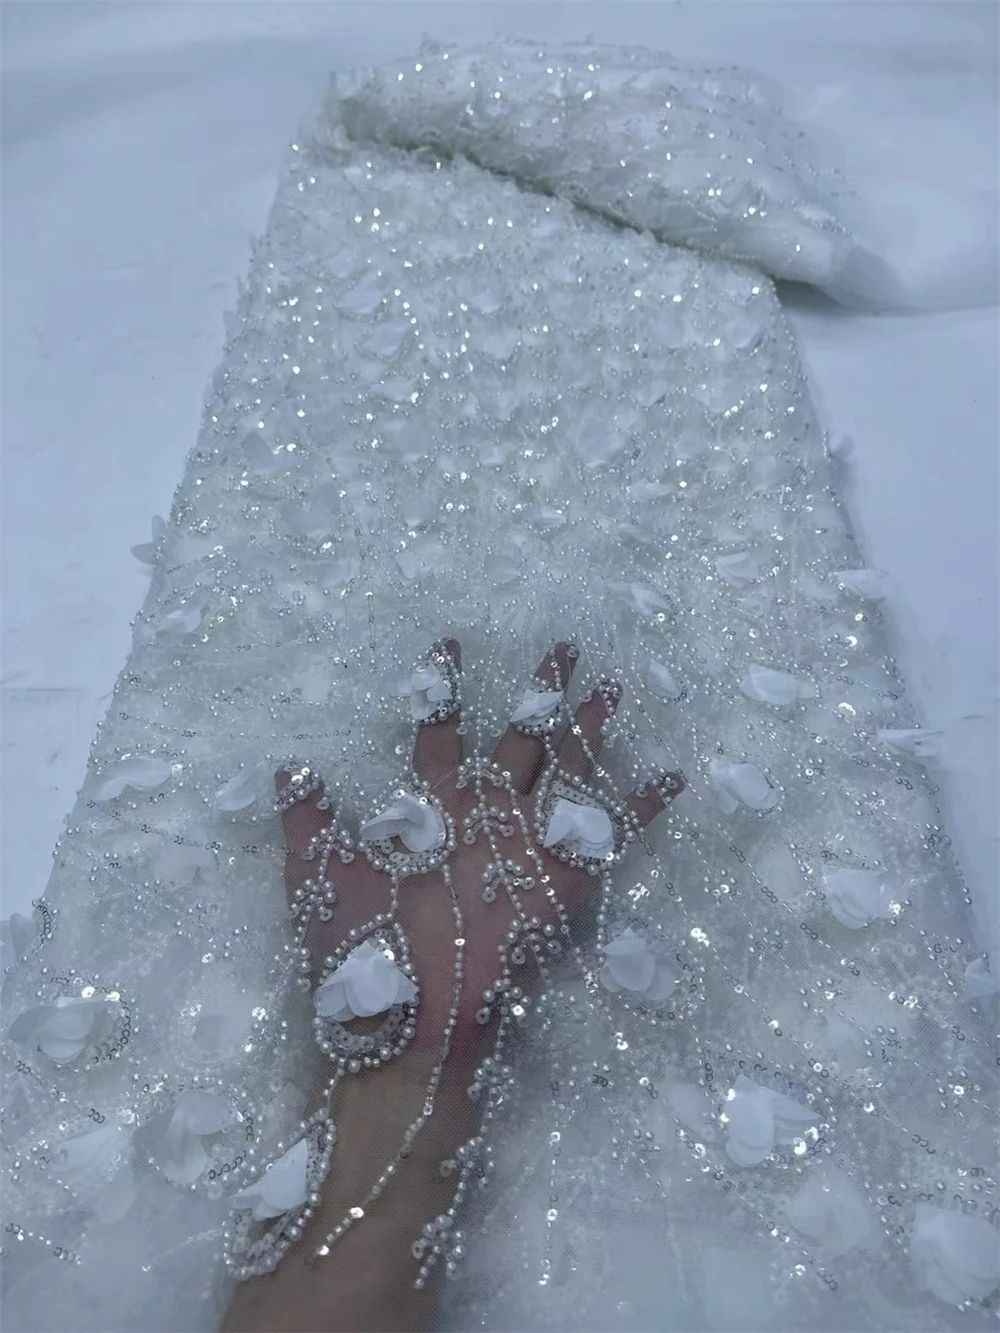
(693, 1107)
(769, 686)
(913, 741)
(428, 688)
(97, 1167)
(869, 584)
(661, 681)
(980, 979)
(17, 934)
(417, 824)
(261, 459)
(316, 518)
(173, 1138)
(645, 601)
(757, 1119)
(145, 552)
(584, 829)
(832, 1211)
(537, 705)
(633, 964)
(740, 569)
(252, 785)
(65, 1029)
(368, 982)
(140, 772)
(183, 620)
(281, 1188)
(955, 1255)
(741, 784)
(856, 896)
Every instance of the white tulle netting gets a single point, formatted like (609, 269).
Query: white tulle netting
(509, 364)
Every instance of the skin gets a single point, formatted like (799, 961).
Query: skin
(366, 1282)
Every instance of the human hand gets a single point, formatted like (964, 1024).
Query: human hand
(468, 927)
(473, 916)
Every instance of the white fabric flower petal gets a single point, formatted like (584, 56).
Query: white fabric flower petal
(417, 824)
(790, 1117)
(775, 687)
(318, 517)
(60, 1050)
(62, 1030)
(955, 1255)
(142, 772)
(339, 573)
(261, 459)
(870, 584)
(181, 1156)
(385, 340)
(693, 1107)
(282, 1187)
(664, 980)
(845, 1041)
(758, 1118)
(503, 567)
(366, 983)
(777, 867)
(749, 1125)
(117, 1197)
(95, 1167)
(832, 1211)
(585, 829)
(661, 682)
(739, 569)
(180, 622)
(633, 964)
(548, 519)
(630, 965)
(536, 705)
(421, 558)
(980, 981)
(145, 552)
(252, 785)
(741, 784)
(17, 933)
(645, 600)
(203, 1112)
(428, 689)
(769, 472)
(648, 490)
(857, 896)
(913, 741)
(79, 1159)
(174, 1137)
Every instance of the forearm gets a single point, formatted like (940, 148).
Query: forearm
(366, 1282)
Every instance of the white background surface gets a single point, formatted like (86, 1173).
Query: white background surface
(141, 147)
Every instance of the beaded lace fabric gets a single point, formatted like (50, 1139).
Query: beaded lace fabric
(509, 364)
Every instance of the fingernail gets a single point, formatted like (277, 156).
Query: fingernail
(670, 785)
(610, 691)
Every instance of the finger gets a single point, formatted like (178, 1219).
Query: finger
(582, 743)
(438, 749)
(646, 803)
(522, 756)
(302, 822)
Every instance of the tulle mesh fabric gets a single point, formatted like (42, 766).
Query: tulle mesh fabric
(509, 364)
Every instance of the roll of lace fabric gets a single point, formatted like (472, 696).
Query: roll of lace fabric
(509, 363)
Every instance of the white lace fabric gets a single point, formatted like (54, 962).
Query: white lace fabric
(509, 364)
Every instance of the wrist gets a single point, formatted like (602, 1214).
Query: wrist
(393, 1121)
